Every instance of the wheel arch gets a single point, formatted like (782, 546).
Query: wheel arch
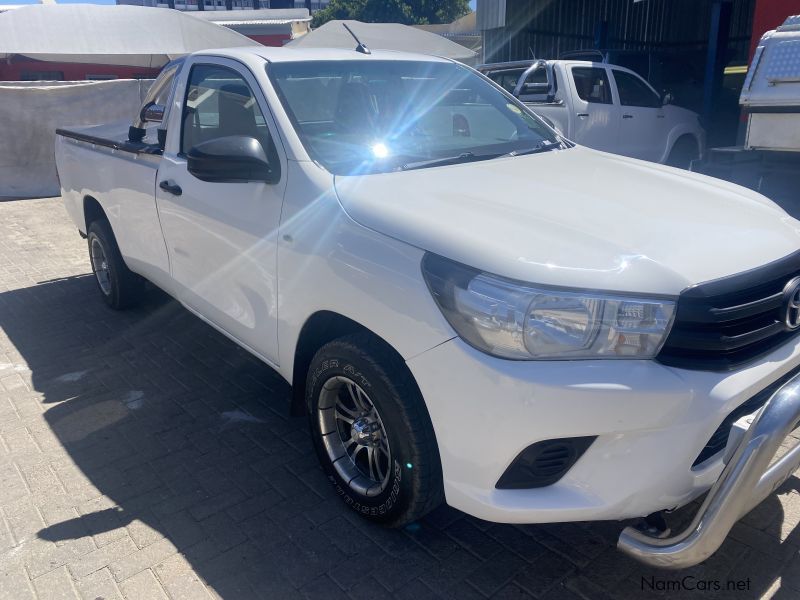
(681, 133)
(92, 210)
(320, 328)
(687, 137)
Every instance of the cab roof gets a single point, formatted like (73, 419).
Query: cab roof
(522, 64)
(283, 54)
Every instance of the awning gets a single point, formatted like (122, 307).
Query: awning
(383, 36)
(266, 16)
(109, 35)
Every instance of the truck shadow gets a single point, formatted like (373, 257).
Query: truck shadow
(166, 436)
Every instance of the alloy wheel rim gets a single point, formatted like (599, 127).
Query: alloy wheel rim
(354, 436)
(100, 266)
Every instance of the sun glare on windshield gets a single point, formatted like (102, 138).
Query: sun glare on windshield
(375, 116)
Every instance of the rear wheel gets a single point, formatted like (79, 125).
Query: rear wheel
(372, 431)
(119, 286)
(683, 153)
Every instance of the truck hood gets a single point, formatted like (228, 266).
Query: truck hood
(577, 218)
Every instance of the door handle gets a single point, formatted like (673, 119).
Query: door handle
(175, 190)
(627, 116)
(583, 114)
(660, 116)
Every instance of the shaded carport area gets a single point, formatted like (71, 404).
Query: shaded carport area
(703, 45)
(698, 51)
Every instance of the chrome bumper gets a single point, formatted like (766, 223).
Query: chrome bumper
(745, 482)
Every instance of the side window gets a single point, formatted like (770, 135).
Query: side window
(219, 103)
(42, 76)
(592, 84)
(635, 92)
(506, 79)
(537, 76)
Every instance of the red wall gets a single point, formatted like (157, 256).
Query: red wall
(271, 40)
(72, 71)
(768, 15)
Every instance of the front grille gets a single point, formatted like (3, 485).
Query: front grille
(719, 439)
(727, 322)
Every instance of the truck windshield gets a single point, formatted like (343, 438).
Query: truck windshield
(377, 116)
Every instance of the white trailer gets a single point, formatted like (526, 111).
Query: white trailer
(770, 98)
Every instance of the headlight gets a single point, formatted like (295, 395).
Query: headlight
(524, 322)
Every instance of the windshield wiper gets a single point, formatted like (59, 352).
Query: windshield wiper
(471, 156)
(540, 147)
(446, 160)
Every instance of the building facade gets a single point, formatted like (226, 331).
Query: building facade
(190, 5)
(522, 29)
(271, 27)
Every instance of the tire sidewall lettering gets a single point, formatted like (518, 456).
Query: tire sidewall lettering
(364, 509)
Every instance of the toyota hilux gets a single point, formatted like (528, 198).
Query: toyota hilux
(469, 307)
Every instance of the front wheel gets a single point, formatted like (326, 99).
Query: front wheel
(372, 431)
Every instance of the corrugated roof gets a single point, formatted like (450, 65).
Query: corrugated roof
(466, 25)
(385, 36)
(266, 16)
(258, 22)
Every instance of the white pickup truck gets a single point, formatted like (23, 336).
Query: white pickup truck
(469, 307)
(605, 107)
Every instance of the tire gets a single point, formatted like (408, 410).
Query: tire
(404, 480)
(683, 153)
(119, 286)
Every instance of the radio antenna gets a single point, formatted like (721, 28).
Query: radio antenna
(361, 46)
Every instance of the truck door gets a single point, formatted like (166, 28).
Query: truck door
(221, 237)
(595, 114)
(642, 122)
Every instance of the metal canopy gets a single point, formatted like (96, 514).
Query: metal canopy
(383, 36)
(119, 35)
(264, 15)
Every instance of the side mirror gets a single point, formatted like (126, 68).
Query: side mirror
(152, 113)
(667, 98)
(231, 159)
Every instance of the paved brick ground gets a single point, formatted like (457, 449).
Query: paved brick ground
(142, 455)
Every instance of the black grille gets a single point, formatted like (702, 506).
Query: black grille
(719, 439)
(543, 463)
(727, 322)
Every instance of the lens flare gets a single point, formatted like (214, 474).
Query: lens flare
(380, 150)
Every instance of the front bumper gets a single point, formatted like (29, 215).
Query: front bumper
(746, 481)
(651, 423)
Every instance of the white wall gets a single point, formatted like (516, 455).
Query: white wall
(30, 113)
